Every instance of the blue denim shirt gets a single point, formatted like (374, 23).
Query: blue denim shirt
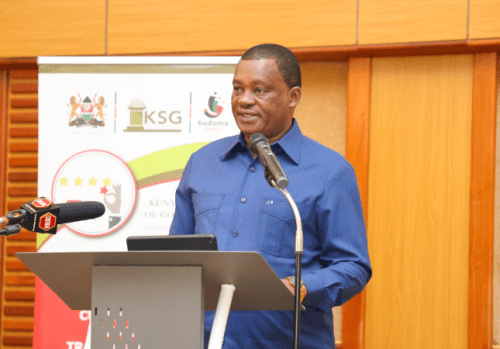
(223, 191)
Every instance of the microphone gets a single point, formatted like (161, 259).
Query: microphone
(260, 145)
(43, 216)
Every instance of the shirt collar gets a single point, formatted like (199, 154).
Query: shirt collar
(290, 143)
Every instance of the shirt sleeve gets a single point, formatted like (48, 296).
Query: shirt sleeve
(183, 222)
(344, 251)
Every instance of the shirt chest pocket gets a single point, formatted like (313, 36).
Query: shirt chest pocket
(277, 228)
(206, 208)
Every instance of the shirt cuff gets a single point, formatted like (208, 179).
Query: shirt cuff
(315, 290)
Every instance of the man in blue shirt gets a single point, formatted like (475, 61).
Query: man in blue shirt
(223, 191)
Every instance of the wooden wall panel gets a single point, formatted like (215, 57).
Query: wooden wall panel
(357, 153)
(322, 110)
(18, 282)
(483, 19)
(322, 116)
(418, 202)
(195, 26)
(390, 21)
(32, 28)
(482, 201)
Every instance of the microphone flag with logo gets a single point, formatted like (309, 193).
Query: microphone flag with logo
(43, 216)
(39, 215)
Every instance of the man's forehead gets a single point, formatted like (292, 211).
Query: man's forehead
(256, 70)
(250, 77)
(257, 62)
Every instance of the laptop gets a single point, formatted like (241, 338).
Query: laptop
(196, 242)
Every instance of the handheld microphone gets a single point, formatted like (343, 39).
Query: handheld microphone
(43, 216)
(260, 144)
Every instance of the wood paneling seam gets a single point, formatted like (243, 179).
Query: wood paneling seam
(468, 19)
(3, 173)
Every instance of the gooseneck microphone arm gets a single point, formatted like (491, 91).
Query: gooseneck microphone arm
(299, 251)
(276, 177)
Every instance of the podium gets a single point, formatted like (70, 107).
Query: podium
(156, 299)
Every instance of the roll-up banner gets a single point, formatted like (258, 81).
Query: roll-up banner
(119, 130)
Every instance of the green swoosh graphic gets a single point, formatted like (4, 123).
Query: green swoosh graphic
(162, 165)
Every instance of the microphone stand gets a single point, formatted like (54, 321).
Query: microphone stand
(299, 251)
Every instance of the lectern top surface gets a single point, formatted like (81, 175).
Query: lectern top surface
(69, 275)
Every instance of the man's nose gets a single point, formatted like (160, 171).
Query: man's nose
(247, 98)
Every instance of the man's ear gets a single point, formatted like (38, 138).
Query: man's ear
(295, 94)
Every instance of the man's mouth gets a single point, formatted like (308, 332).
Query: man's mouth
(248, 116)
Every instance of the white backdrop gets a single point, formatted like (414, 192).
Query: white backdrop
(120, 130)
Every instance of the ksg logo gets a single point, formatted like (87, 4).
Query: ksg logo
(161, 117)
(144, 120)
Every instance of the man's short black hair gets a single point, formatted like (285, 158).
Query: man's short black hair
(288, 65)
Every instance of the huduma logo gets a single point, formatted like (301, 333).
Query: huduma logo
(215, 106)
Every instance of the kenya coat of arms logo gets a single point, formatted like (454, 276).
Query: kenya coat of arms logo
(87, 112)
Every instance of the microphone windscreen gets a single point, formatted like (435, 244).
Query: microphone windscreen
(256, 138)
(79, 211)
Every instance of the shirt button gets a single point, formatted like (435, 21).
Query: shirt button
(223, 342)
(235, 233)
(243, 200)
(252, 169)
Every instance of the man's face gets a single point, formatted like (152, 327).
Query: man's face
(261, 100)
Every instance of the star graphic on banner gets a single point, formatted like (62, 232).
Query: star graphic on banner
(92, 181)
(63, 181)
(104, 190)
(78, 181)
(107, 181)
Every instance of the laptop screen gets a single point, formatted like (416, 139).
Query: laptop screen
(196, 242)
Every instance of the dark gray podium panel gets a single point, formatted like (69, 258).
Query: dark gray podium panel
(140, 307)
(69, 275)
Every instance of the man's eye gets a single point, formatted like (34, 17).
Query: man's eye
(236, 88)
(259, 90)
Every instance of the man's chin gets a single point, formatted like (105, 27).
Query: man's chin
(249, 127)
(248, 131)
